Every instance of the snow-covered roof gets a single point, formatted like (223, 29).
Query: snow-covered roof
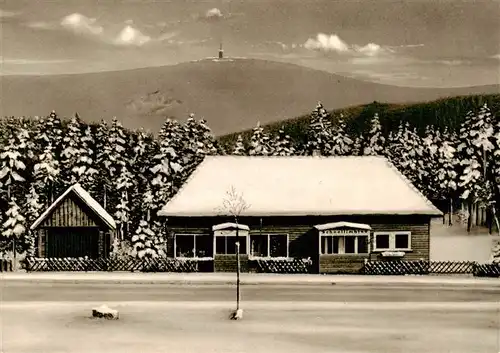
(86, 198)
(335, 225)
(299, 186)
(230, 225)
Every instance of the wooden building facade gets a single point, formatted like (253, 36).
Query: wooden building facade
(74, 226)
(336, 211)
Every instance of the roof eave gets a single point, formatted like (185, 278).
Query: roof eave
(433, 213)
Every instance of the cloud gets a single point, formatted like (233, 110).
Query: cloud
(497, 56)
(5, 13)
(214, 13)
(130, 36)
(324, 42)
(371, 49)
(81, 24)
(333, 43)
(41, 25)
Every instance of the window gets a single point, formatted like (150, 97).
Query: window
(382, 241)
(226, 245)
(337, 244)
(269, 245)
(193, 245)
(392, 241)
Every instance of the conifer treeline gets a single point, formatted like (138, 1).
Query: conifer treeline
(133, 173)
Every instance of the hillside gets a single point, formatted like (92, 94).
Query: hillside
(447, 112)
(231, 95)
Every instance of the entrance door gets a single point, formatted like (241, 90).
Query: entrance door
(73, 242)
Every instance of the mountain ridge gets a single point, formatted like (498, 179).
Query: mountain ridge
(232, 95)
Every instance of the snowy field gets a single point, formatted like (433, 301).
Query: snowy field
(454, 244)
(332, 328)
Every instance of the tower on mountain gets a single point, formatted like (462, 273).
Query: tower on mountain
(221, 52)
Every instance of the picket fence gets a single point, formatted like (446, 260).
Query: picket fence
(398, 268)
(385, 268)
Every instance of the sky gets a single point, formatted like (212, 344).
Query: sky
(420, 43)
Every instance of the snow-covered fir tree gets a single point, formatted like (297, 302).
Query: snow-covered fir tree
(33, 209)
(239, 148)
(141, 200)
(206, 140)
(395, 145)
(476, 149)
(260, 142)
(167, 169)
(319, 134)
(146, 243)
(12, 167)
(102, 151)
(430, 162)
(413, 159)
(123, 185)
(341, 142)
(358, 145)
(14, 226)
(46, 173)
(446, 172)
(375, 140)
(198, 143)
(84, 170)
(50, 132)
(72, 148)
(282, 144)
(115, 153)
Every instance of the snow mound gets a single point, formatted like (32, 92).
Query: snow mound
(237, 315)
(105, 312)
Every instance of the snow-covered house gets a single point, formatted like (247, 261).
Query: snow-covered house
(337, 211)
(75, 225)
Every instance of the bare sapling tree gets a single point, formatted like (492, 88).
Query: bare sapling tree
(234, 204)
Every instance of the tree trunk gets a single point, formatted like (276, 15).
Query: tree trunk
(450, 217)
(496, 218)
(489, 218)
(469, 219)
(105, 198)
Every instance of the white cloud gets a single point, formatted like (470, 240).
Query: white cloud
(130, 36)
(497, 56)
(324, 42)
(5, 13)
(214, 13)
(81, 24)
(333, 43)
(41, 25)
(371, 49)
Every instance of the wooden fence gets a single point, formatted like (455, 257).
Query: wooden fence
(385, 268)
(395, 268)
(129, 265)
(281, 265)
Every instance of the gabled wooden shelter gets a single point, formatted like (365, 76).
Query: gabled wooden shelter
(75, 225)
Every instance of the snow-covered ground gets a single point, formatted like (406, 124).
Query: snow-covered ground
(334, 328)
(455, 244)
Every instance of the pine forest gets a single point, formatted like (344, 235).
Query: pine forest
(134, 173)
